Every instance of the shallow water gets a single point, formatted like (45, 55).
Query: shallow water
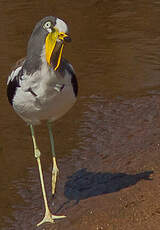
(115, 51)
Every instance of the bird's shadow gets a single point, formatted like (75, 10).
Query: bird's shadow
(83, 184)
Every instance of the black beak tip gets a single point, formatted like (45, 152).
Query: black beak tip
(67, 39)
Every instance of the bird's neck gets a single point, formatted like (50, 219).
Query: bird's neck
(32, 64)
(35, 61)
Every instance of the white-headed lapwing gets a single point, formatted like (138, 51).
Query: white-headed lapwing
(43, 87)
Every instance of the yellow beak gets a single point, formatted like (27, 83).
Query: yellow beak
(51, 40)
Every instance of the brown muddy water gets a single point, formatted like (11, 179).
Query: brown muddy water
(115, 50)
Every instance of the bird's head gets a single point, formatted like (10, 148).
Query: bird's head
(49, 34)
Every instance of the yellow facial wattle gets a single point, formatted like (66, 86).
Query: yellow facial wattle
(51, 40)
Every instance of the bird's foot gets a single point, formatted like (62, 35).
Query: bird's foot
(55, 173)
(50, 218)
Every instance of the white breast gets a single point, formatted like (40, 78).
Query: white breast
(40, 96)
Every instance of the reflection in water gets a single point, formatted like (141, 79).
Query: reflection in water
(115, 52)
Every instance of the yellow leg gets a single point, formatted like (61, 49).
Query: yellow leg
(55, 169)
(48, 216)
(55, 172)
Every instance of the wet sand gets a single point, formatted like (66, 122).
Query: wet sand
(118, 190)
(108, 145)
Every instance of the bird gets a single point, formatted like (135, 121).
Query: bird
(42, 87)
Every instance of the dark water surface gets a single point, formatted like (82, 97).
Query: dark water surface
(115, 50)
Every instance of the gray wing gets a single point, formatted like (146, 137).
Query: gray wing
(13, 80)
(66, 66)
